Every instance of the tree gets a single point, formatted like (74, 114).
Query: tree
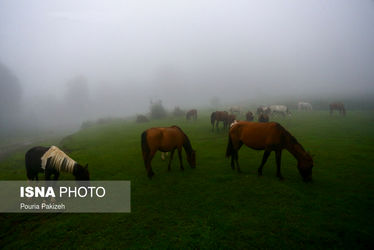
(157, 110)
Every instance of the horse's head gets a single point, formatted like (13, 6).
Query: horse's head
(191, 158)
(81, 172)
(305, 166)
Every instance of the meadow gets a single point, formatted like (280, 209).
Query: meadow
(212, 206)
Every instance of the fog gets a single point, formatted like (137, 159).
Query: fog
(72, 61)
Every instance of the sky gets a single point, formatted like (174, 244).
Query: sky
(186, 52)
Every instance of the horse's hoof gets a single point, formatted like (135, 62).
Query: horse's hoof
(281, 178)
(259, 174)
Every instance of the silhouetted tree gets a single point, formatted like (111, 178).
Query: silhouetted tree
(157, 110)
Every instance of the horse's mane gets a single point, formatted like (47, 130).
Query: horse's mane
(58, 158)
(288, 137)
(187, 143)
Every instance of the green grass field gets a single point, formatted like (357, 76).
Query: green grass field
(212, 206)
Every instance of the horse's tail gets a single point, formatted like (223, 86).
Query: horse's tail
(212, 118)
(230, 148)
(144, 142)
(28, 164)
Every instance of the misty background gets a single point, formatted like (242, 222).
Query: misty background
(64, 62)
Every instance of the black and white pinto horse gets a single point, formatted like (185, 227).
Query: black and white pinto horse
(279, 109)
(304, 106)
(52, 161)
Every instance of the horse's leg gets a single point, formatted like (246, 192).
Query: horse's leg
(180, 158)
(56, 175)
(171, 158)
(236, 155)
(264, 159)
(47, 175)
(236, 160)
(278, 156)
(31, 175)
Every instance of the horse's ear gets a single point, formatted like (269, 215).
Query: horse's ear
(86, 166)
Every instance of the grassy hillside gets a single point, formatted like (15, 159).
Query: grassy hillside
(212, 206)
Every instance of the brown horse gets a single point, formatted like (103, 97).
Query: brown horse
(230, 119)
(263, 118)
(249, 116)
(218, 116)
(166, 140)
(269, 137)
(337, 106)
(191, 114)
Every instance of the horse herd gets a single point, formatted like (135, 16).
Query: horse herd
(262, 135)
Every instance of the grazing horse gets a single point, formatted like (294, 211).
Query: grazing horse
(269, 137)
(337, 106)
(304, 106)
(263, 110)
(191, 114)
(52, 161)
(235, 109)
(279, 109)
(166, 140)
(218, 116)
(249, 116)
(263, 118)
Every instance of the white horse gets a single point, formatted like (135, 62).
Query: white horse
(304, 106)
(235, 109)
(279, 109)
